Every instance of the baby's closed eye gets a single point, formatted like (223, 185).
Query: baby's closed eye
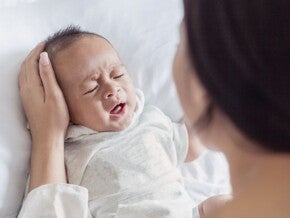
(91, 89)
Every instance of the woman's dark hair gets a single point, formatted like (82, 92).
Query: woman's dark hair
(241, 52)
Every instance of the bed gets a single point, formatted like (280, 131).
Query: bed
(145, 32)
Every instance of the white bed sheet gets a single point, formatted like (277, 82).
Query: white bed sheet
(145, 32)
(206, 176)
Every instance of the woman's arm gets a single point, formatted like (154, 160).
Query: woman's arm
(47, 163)
(48, 118)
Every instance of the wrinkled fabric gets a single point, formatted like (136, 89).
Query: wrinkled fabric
(131, 173)
(134, 172)
(195, 213)
(56, 200)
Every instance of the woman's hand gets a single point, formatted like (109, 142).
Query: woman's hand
(48, 118)
(42, 98)
(213, 204)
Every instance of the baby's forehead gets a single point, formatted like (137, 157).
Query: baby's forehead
(89, 42)
(84, 47)
(86, 55)
(65, 44)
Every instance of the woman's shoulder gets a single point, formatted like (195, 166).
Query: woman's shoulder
(254, 205)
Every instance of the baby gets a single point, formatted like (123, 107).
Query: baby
(126, 154)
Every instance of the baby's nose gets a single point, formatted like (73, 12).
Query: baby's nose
(111, 92)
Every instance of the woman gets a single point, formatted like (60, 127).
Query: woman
(231, 72)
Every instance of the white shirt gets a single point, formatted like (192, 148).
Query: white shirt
(131, 173)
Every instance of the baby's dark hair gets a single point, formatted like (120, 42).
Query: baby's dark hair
(65, 37)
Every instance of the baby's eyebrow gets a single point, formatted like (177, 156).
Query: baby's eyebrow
(110, 66)
(117, 66)
(87, 78)
(82, 83)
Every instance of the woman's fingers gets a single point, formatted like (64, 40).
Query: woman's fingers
(29, 68)
(31, 64)
(42, 99)
(47, 75)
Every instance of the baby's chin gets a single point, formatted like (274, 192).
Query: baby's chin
(110, 125)
(114, 126)
(122, 125)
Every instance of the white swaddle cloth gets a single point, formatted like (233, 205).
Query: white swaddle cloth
(133, 172)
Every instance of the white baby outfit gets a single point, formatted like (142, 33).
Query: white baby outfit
(128, 174)
(133, 171)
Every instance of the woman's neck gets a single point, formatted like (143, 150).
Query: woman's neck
(260, 179)
(260, 187)
(248, 169)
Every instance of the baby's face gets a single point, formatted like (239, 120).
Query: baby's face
(98, 90)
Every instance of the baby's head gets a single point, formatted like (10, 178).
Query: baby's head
(97, 87)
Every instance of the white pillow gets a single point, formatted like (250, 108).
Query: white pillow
(145, 32)
(13, 3)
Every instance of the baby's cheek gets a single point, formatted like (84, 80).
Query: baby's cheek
(75, 113)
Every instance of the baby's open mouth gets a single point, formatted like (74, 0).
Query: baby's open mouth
(118, 109)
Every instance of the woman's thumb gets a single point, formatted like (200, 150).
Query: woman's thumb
(47, 75)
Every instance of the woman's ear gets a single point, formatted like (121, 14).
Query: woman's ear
(193, 97)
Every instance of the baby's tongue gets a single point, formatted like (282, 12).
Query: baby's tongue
(116, 109)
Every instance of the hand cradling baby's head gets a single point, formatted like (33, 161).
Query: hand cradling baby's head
(97, 87)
